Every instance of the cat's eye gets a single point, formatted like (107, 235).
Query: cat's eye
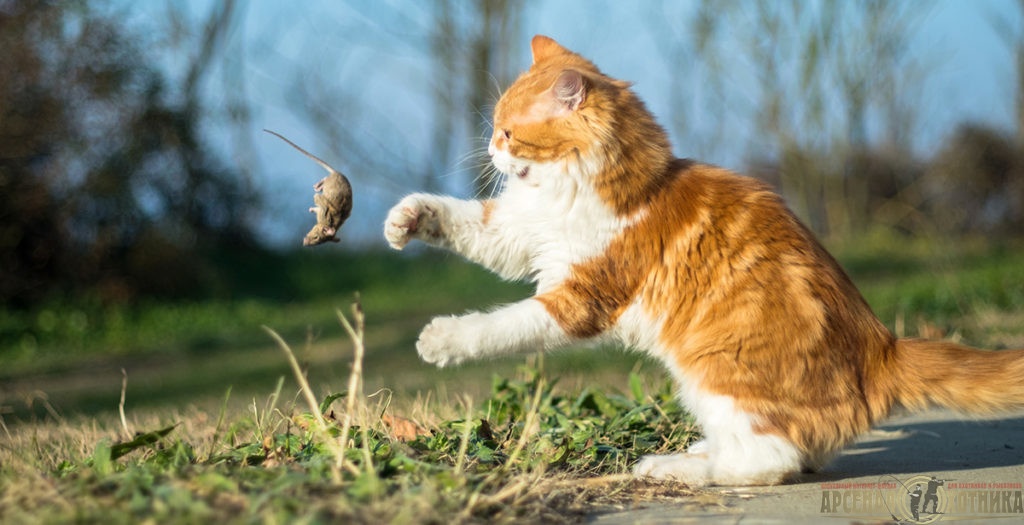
(507, 133)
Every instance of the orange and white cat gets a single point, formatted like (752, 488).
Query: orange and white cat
(776, 353)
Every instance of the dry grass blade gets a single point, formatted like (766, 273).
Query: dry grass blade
(321, 426)
(528, 425)
(300, 377)
(120, 406)
(355, 376)
(460, 457)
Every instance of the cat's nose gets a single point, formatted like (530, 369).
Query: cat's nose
(491, 150)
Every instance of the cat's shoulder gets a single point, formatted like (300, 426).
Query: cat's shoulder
(692, 176)
(706, 172)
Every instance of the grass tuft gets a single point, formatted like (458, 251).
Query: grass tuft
(529, 451)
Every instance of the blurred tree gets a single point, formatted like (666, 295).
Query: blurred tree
(476, 48)
(975, 183)
(823, 84)
(474, 51)
(690, 52)
(105, 183)
(1012, 34)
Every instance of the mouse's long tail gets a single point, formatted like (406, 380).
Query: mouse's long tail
(316, 159)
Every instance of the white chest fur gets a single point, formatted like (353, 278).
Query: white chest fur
(558, 218)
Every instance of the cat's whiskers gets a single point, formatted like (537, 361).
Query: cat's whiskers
(462, 164)
(498, 91)
(488, 182)
(479, 155)
(488, 177)
(485, 117)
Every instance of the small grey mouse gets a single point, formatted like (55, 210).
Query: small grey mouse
(333, 200)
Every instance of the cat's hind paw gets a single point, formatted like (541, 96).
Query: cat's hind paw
(692, 469)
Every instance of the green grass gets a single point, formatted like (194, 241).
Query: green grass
(67, 357)
(180, 351)
(292, 293)
(971, 290)
(528, 452)
(216, 430)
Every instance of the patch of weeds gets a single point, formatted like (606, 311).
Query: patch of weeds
(529, 451)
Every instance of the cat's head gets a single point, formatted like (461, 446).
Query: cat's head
(564, 115)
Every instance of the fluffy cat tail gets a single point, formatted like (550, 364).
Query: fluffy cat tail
(965, 379)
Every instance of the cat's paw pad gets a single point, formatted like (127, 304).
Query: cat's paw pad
(445, 341)
(415, 217)
(693, 470)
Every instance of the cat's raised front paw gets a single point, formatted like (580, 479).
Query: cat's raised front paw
(414, 217)
(447, 341)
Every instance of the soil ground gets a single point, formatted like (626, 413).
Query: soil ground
(980, 461)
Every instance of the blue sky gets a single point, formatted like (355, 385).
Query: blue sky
(374, 51)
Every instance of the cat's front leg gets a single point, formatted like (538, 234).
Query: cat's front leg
(417, 216)
(466, 227)
(520, 327)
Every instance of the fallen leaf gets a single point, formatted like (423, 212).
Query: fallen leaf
(402, 428)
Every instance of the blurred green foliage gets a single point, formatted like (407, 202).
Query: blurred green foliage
(106, 183)
(178, 350)
(290, 292)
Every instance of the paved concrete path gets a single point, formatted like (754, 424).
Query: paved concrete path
(981, 461)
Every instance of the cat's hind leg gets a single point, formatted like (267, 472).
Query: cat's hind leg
(733, 452)
(692, 469)
(697, 447)
(755, 460)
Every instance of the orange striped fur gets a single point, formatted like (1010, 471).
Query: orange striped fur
(777, 353)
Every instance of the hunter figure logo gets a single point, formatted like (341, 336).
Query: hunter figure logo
(925, 501)
(922, 499)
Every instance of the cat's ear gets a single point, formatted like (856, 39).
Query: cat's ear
(570, 90)
(544, 47)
